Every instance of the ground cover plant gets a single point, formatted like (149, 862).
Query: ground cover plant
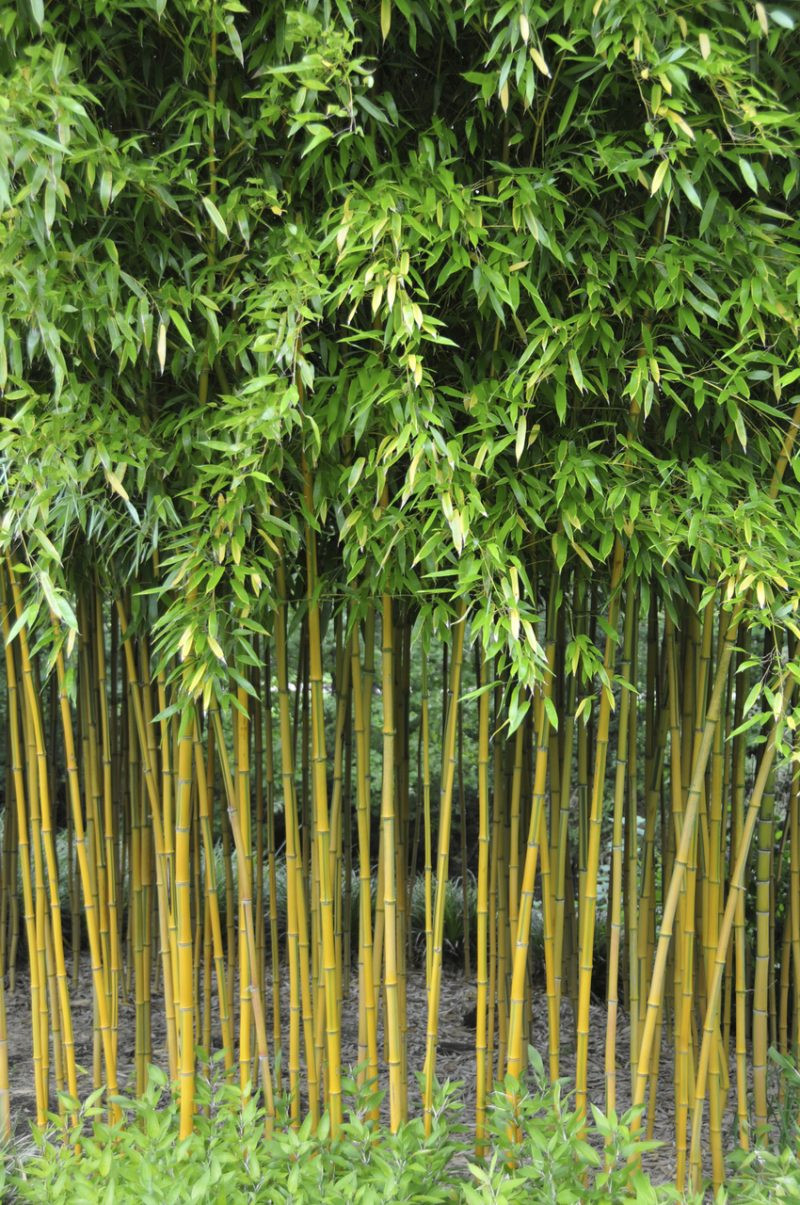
(541, 1149)
(398, 410)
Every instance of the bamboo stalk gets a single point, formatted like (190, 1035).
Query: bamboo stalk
(620, 783)
(589, 889)
(442, 863)
(734, 891)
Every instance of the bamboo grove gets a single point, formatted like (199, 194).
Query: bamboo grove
(398, 474)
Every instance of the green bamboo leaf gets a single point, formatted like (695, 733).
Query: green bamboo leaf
(386, 18)
(355, 474)
(25, 619)
(106, 186)
(575, 369)
(320, 134)
(689, 189)
(234, 39)
(708, 211)
(216, 216)
(566, 112)
(182, 327)
(748, 175)
(49, 206)
(37, 11)
(741, 432)
(366, 104)
(517, 710)
(43, 140)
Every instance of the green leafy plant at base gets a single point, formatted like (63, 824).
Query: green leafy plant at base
(762, 1176)
(541, 1151)
(544, 1152)
(228, 1159)
(788, 1103)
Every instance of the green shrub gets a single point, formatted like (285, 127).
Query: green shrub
(538, 1154)
(541, 1154)
(229, 1161)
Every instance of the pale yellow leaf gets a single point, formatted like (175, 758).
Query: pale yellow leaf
(519, 447)
(658, 176)
(215, 647)
(539, 60)
(514, 576)
(513, 615)
(684, 125)
(116, 485)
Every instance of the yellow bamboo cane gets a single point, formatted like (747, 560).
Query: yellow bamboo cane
(761, 977)
(48, 844)
(272, 872)
(23, 848)
(794, 897)
(483, 912)
(681, 860)
(561, 844)
(397, 1103)
(212, 900)
(183, 892)
(589, 891)
(5, 1093)
(735, 890)
(322, 827)
(300, 998)
(426, 803)
(620, 782)
(115, 962)
(442, 863)
(516, 1028)
(368, 1029)
(92, 924)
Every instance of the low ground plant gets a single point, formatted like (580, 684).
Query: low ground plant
(540, 1150)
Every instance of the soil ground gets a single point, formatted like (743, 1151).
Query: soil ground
(455, 1057)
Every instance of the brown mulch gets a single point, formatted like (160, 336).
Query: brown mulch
(455, 1055)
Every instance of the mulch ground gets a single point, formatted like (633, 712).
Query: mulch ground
(455, 1056)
